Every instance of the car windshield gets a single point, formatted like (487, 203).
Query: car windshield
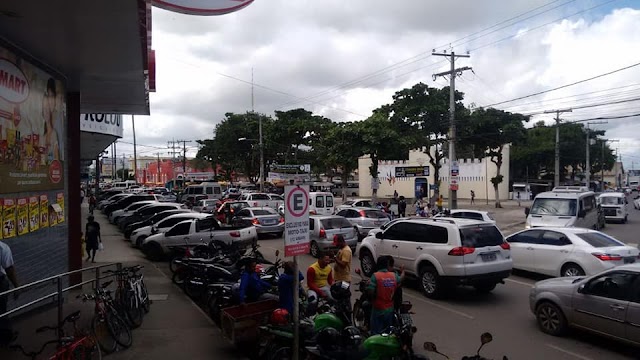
(209, 202)
(374, 214)
(480, 236)
(260, 197)
(366, 203)
(264, 212)
(610, 200)
(335, 223)
(557, 207)
(350, 202)
(599, 240)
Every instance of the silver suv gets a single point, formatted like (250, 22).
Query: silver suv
(442, 252)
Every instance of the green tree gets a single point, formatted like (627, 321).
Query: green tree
(341, 148)
(492, 130)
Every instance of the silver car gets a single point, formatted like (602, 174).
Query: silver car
(266, 220)
(322, 229)
(206, 206)
(607, 303)
(364, 219)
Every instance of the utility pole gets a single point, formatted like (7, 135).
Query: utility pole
(123, 177)
(115, 161)
(184, 153)
(135, 157)
(556, 175)
(260, 143)
(604, 141)
(453, 183)
(587, 170)
(158, 181)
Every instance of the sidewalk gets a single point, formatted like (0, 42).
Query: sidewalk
(175, 328)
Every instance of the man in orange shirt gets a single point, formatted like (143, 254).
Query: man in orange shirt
(382, 288)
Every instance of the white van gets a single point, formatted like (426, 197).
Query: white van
(213, 190)
(614, 206)
(564, 206)
(321, 203)
(123, 185)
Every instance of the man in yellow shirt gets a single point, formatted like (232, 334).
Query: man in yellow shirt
(342, 268)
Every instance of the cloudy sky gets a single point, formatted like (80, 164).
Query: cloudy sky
(342, 59)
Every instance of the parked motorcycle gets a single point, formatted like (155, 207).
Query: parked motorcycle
(362, 306)
(485, 338)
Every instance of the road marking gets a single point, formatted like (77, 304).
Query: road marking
(568, 352)
(452, 310)
(519, 282)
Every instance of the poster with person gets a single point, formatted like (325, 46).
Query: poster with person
(8, 218)
(23, 216)
(60, 202)
(44, 211)
(34, 213)
(32, 127)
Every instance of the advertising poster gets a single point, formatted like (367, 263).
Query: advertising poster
(23, 216)
(44, 211)
(34, 214)
(8, 218)
(60, 201)
(32, 127)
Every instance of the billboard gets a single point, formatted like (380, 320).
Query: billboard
(33, 119)
(107, 124)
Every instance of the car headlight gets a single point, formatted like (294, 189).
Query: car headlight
(619, 211)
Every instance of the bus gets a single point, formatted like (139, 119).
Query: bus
(353, 188)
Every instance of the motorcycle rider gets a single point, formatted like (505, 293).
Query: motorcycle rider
(285, 286)
(252, 288)
(319, 280)
(382, 288)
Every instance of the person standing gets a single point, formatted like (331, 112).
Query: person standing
(402, 207)
(395, 194)
(342, 267)
(92, 203)
(439, 203)
(92, 238)
(473, 197)
(7, 277)
(81, 195)
(382, 287)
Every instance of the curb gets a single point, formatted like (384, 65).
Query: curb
(512, 225)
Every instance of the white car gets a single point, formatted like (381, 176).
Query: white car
(138, 235)
(557, 251)
(470, 214)
(614, 206)
(636, 203)
(114, 216)
(355, 203)
(206, 206)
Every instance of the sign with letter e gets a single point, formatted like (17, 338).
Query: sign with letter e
(296, 220)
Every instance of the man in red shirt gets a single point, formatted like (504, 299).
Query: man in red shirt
(382, 287)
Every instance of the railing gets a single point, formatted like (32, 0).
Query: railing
(60, 289)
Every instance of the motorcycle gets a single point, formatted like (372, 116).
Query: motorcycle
(485, 338)
(362, 306)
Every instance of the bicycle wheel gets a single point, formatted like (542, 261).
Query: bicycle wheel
(119, 329)
(132, 309)
(178, 277)
(88, 349)
(144, 294)
(102, 334)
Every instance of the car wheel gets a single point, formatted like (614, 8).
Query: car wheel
(367, 262)
(485, 287)
(572, 270)
(359, 237)
(430, 282)
(550, 319)
(314, 249)
(140, 241)
(279, 234)
(625, 220)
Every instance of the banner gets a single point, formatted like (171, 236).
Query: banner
(34, 213)
(60, 201)
(23, 216)
(32, 127)
(44, 211)
(8, 218)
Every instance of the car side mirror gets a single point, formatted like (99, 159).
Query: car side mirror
(527, 210)
(581, 289)
(582, 213)
(379, 236)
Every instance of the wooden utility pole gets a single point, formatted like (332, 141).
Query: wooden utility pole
(453, 174)
(556, 176)
(135, 155)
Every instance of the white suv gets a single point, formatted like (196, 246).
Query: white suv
(442, 252)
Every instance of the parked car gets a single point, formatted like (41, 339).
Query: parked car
(470, 214)
(197, 231)
(442, 252)
(168, 196)
(259, 200)
(129, 210)
(266, 220)
(138, 236)
(228, 209)
(112, 199)
(128, 200)
(568, 251)
(356, 203)
(191, 200)
(322, 229)
(606, 303)
(129, 229)
(364, 219)
(147, 212)
(206, 206)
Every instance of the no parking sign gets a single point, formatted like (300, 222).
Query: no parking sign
(296, 220)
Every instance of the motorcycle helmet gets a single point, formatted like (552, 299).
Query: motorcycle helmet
(328, 339)
(340, 290)
(351, 337)
(279, 317)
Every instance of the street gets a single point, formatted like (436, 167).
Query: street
(454, 324)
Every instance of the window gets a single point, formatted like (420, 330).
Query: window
(480, 236)
(319, 201)
(467, 215)
(611, 200)
(264, 212)
(526, 237)
(616, 285)
(209, 190)
(197, 190)
(260, 197)
(217, 190)
(335, 223)
(243, 213)
(171, 222)
(374, 214)
(207, 224)
(557, 207)
(589, 203)
(312, 224)
(398, 231)
(329, 201)
(599, 239)
(343, 212)
(180, 229)
(434, 234)
(365, 203)
(554, 238)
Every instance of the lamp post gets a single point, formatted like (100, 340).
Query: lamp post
(260, 145)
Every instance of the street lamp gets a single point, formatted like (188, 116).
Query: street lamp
(261, 156)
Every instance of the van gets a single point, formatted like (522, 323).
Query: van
(564, 206)
(614, 206)
(321, 203)
(123, 185)
(212, 190)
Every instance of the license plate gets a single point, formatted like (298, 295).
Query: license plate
(269, 222)
(629, 260)
(488, 257)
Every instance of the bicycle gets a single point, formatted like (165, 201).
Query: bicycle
(81, 346)
(131, 294)
(107, 319)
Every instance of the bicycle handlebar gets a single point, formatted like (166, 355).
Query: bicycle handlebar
(32, 354)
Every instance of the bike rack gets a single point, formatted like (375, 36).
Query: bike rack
(60, 289)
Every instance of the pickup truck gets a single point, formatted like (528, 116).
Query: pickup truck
(262, 200)
(194, 232)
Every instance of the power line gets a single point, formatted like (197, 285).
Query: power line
(592, 105)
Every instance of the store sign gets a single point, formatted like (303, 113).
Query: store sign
(14, 86)
(107, 124)
(412, 171)
(455, 169)
(291, 168)
(202, 7)
(296, 220)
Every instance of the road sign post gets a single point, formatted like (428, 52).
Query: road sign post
(296, 242)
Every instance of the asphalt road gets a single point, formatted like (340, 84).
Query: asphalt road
(454, 324)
